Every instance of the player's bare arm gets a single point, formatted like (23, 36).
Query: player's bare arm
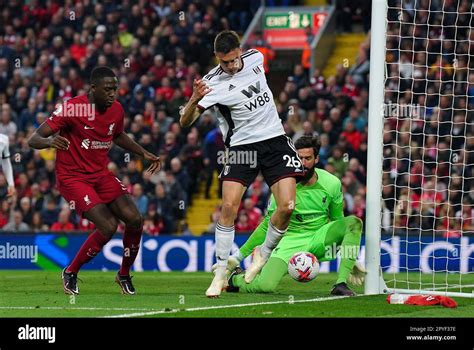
(190, 111)
(125, 142)
(43, 138)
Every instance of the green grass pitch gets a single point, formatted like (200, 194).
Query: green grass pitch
(177, 294)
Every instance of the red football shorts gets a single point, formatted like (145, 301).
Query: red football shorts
(85, 192)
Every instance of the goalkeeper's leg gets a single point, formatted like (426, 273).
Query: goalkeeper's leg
(343, 235)
(277, 266)
(346, 233)
(265, 282)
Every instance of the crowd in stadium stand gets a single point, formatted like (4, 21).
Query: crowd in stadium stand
(429, 150)
(47, 51)
(158, 48)
(157, 54)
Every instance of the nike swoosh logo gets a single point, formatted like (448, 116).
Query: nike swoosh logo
(88, 127)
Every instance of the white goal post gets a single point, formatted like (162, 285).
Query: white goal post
(419, 235)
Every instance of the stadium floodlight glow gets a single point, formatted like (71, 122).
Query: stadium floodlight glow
(419, 126)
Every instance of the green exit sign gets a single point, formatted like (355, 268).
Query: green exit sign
(290, 20)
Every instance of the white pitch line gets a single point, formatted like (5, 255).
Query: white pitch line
(151, 313)
(73, 308)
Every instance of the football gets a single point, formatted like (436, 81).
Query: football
(303, 267)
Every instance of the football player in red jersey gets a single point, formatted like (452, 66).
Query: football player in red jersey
(82, 130)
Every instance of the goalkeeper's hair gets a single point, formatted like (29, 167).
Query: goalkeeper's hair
(309, 142)
(226, 41)
(98, 73)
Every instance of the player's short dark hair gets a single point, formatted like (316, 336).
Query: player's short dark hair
(98, 73)
(309, 142)
(226, 41)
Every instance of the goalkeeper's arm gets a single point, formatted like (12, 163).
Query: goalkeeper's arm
(336, 207)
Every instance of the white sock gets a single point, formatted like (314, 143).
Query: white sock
(272, 239)
(238, 255)
(224, 241)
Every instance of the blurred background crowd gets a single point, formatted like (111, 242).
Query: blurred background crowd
(48, 49)
(429, 140)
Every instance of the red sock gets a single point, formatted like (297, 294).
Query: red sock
(91, 247)
(131, 245)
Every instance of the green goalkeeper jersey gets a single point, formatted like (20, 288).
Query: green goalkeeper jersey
(316, 204)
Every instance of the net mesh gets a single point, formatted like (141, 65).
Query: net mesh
(428, 146)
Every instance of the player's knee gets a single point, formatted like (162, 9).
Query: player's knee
(109, 227)
(285, 209)
(354, 224)
(229, 210)
(268, 286)
(134, 221)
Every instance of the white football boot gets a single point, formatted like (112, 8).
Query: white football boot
(217, 285)
(258, 262)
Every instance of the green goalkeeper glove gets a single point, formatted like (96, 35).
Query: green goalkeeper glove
(357, 275)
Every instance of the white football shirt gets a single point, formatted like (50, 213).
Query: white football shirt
(5, 162)
(4, 146)
(247, 112)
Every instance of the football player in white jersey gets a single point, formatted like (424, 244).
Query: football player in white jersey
(255, 141)
(6, 165)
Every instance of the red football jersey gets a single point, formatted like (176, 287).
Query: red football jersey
(89, 132)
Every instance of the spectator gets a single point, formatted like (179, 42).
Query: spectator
(177, 198)
(133, 172)
(324, 151)
(338, 162)
(140, 200)
(360, 69)
(328, 129)
(258, 193)
(243, 225)
(37, 223)
(125, 38)
(26, 210)
(253, 214)
(299, 76)
(4, 213)
(307, 130)
(16, 224)
(213, 145)
(359, 122)
(63, 223)
(145, 88)
(180, 174)
(49, 215)
(160, 203)
(352, 136)
(260, 44)
(239, 16)
(149, 227)
(214, 219)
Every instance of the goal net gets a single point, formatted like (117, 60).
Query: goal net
(426, 219)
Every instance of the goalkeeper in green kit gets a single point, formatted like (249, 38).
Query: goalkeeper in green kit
(317, 226)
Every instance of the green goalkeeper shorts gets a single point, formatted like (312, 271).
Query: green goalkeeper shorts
(313, 242)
